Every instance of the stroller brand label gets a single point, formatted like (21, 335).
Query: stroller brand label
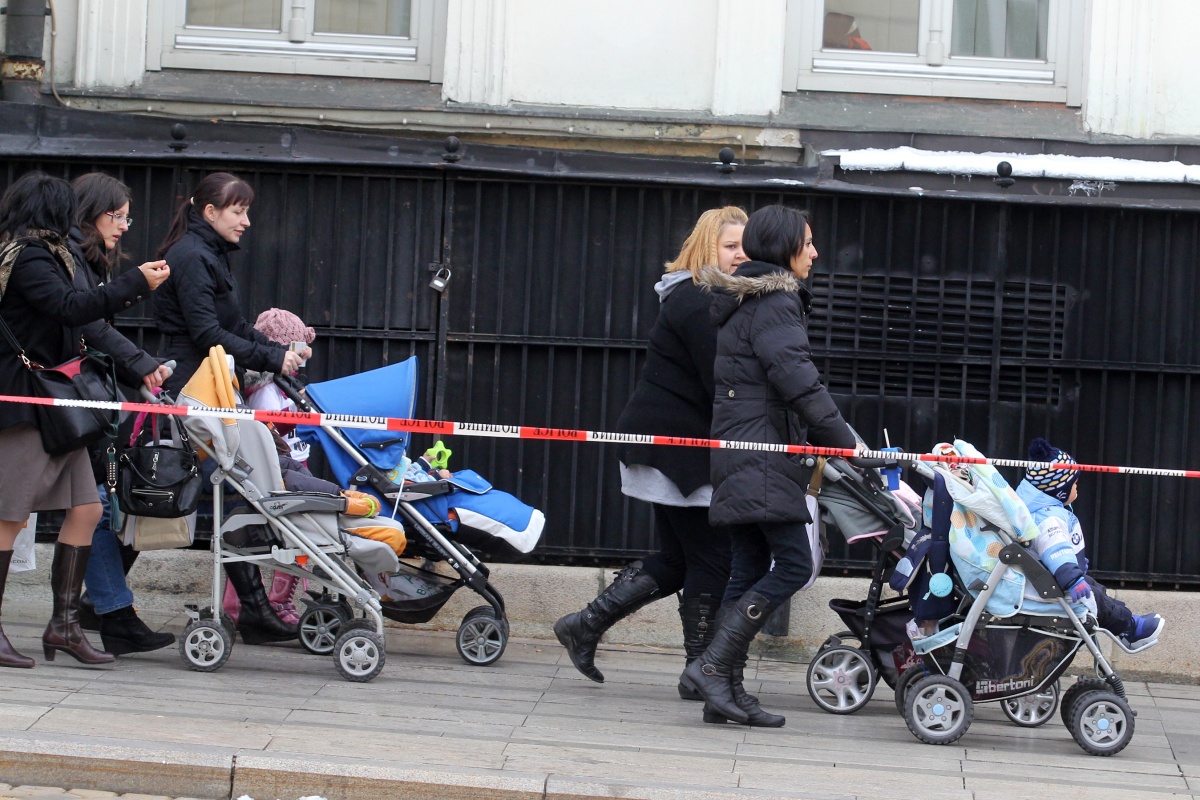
(996, 687)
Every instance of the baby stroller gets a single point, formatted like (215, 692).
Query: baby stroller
(856, 502)
(300, 533)
(1014, 633)
(434, 515)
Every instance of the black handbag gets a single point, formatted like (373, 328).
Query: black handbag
(160, 480)
(90, 376)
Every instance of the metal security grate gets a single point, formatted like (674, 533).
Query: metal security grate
(939, 337)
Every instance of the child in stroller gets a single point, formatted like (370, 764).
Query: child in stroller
(1049, 493)
(1014, 632)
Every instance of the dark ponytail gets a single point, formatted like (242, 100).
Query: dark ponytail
(220, 190)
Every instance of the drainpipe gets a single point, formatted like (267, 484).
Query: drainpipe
(22, 69)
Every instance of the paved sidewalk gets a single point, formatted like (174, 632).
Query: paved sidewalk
(276, 722)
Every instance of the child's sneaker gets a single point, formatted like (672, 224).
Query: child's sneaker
(1146, 630)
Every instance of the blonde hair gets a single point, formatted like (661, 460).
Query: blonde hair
(700, 247)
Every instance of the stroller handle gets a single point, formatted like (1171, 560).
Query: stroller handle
(149, 396)
(292, 388)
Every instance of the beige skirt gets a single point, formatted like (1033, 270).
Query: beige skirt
(32, 480)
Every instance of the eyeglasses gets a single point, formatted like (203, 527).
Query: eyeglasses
(118, 218)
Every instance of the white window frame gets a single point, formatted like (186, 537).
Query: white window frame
(932, 71)
(296, 48)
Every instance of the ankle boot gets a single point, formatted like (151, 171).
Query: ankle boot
(282, 596)
(699, 626)
(66, 584)
(711, 673)
(257, 622)
(122, 632)
(8, 656)
(756, 716)
(580, 632)
(89, 620)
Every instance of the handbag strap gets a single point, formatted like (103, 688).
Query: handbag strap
(14, 344)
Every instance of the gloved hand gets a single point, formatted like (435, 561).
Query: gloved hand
(1079, 590)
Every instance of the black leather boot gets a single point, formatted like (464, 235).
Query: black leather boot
(699, 625)
(9, 657)
(711, 673)
(580, 632)
(257, 621)
(66, 584)
(88, 618)
(122, 632)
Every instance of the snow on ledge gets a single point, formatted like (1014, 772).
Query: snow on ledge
(1088, 168)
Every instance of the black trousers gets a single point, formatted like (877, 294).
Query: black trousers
(692, 555)
(1111, 613)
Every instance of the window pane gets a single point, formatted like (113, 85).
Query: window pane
(887, 25)
(367, 17)
(257, 14)
(1000, 28)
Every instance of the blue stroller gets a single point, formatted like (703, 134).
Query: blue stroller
(445, 520)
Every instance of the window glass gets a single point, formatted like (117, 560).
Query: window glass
(366, 17)
(254, 14)
(885, 25)
(1000, 28)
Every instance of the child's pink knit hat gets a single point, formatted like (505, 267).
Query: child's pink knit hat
(284, 327)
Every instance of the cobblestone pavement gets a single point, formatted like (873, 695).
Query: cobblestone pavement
(277, 722)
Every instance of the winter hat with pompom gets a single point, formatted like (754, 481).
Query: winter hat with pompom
(284, 327)
(1055, 482)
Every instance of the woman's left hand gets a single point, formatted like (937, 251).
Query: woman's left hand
(155, 379)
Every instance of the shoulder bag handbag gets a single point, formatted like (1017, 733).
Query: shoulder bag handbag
(160, 479)
(90, 376)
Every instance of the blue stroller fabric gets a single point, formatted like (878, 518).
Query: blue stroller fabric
(391, 391)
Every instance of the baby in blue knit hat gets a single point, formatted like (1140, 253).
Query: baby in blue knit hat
(1049, 492)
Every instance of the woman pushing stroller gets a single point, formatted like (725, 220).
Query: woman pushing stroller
(767, 390)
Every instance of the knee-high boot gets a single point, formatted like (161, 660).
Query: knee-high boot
(9, 657)
(66, 584)
(699, 625)
(756, 716)
(580, 632)
(257, 621)
(711, 673)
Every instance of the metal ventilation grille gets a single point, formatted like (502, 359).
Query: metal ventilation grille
(938, 337)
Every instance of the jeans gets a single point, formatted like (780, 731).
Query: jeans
(692, 555)
(1111, 613)
(754, 546)
(105, 577)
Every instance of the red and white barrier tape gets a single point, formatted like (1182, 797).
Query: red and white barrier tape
(565, 434)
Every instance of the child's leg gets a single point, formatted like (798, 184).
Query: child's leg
(1111, 613)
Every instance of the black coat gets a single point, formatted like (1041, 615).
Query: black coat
(132, 362)
(47, 312)
(674, 395)
(198, 307)
(767, 390)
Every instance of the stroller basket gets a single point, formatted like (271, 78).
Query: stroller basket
(887, 640)
(413, 595)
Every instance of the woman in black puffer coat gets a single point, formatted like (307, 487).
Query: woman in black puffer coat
(672, 398)
(767, 390)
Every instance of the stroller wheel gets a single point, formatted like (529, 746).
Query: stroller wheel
(481, 637)
(841, 679)
(1075, 691)
(1032, 710)
(1102, 723)
(205, 645)
(938, 710)
(358, 654)
(905, 683)
(320, 627)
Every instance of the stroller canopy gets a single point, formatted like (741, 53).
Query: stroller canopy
(389, 391)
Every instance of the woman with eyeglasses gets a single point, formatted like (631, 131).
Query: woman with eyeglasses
(101, 220)
(199, 307)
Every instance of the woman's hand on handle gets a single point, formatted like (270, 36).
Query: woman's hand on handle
(155, 273)
(155, 379)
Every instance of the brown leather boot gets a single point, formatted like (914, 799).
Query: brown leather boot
(66, 584)
(8, 656)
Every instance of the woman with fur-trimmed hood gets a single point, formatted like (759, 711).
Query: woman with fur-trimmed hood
(767, 390)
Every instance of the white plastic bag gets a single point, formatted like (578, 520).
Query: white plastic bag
(24, 558)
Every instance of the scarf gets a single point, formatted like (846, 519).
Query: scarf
(11, 248)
